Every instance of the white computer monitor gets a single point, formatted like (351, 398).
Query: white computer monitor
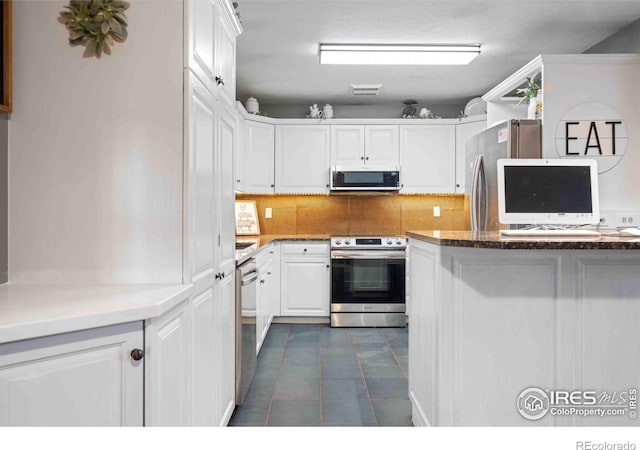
(548, 192)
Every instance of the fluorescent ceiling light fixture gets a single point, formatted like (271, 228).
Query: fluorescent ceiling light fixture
(398, 54)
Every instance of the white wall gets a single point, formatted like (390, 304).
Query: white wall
(95, 150)
(626, 40)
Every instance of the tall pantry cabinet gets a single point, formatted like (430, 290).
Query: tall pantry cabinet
(202, 337)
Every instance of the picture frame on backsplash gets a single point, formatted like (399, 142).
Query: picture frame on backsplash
(247, 218)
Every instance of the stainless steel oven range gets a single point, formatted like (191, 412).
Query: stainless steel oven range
(368, 281)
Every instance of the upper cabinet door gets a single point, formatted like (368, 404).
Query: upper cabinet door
(225, 76)
(381, 145)
(259, 142)
(200, 215)
(200, 26)
(302, 159)
(225, 192)
(427, 158)
(347, 145)
(464, 132)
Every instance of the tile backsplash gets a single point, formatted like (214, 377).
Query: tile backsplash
(357, 214)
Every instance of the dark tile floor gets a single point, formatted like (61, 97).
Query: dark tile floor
(314, 375)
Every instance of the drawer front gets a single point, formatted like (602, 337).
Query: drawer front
(305, 248)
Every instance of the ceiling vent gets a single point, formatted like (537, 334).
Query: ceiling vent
(365, 89)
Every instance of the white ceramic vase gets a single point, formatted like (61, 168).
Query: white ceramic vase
(531, 110)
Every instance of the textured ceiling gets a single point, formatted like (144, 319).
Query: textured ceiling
(277, 54)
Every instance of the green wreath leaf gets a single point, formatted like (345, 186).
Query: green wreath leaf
(97, 24)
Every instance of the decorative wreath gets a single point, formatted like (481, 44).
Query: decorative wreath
(96, 24)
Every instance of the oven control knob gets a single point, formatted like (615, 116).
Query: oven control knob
(398, 242)
(338, 241)
(389, 242)
(347, 242)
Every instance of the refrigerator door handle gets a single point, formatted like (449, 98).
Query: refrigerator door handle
(483, 194)
(474, 193)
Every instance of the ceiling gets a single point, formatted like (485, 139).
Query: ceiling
(277, 54)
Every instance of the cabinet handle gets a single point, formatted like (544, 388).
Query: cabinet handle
(362, 158)
(219, 81)
(268, 273)
(367, 158)
(218, 276)
(137, 354)
(237, 181)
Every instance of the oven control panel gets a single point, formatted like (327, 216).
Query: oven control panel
(369, 242)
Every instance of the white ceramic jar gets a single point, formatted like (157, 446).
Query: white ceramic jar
(252, 106)
(327, 111)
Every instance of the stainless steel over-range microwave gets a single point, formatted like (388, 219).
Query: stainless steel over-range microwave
(371, 178)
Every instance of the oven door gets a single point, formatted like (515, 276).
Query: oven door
(368, 281)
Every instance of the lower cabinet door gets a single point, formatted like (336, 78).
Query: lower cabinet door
(305, 286)
(84, 378)
(167, 378)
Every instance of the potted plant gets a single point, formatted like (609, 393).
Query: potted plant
(530, 94)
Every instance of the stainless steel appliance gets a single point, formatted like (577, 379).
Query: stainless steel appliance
(368, 281)
(365, 178)
(510, 139)
(246, 360)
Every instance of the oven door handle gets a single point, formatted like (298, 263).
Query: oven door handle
(368, 254)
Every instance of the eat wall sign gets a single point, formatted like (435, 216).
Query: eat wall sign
(594, 131)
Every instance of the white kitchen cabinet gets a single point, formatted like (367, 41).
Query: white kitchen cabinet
(211, 31)
(305, 279)
(168, 347)
(264, 263)
(302, 159)
(257, 158)
(239, 153)
(227, 29)
(427, 159)
(201, 218)
(204, 351)
(364, 145)
(84, 378)
(464, 131)
(225, 326)
(224, 194)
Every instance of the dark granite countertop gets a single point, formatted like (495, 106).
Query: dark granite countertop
(492, 239)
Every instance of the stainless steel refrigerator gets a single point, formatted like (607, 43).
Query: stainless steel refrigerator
(510, 139)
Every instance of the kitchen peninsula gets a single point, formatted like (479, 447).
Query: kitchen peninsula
(492, 316)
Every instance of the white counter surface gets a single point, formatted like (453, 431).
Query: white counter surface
(29, 311)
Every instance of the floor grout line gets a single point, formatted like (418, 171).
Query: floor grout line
(395, 357)
(275, 382)
(364, 379)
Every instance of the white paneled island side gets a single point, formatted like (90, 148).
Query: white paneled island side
(521, 332)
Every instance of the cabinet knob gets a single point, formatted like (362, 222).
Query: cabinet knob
(457, 185)
(273, 185)
(305, 249)
(219, 81)
(262, 281)
(362, 158)
(137, 354)
(218, 276)
(327, 185)
(367, 158)
(237, 181)
(328, 266)
(268, 273)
